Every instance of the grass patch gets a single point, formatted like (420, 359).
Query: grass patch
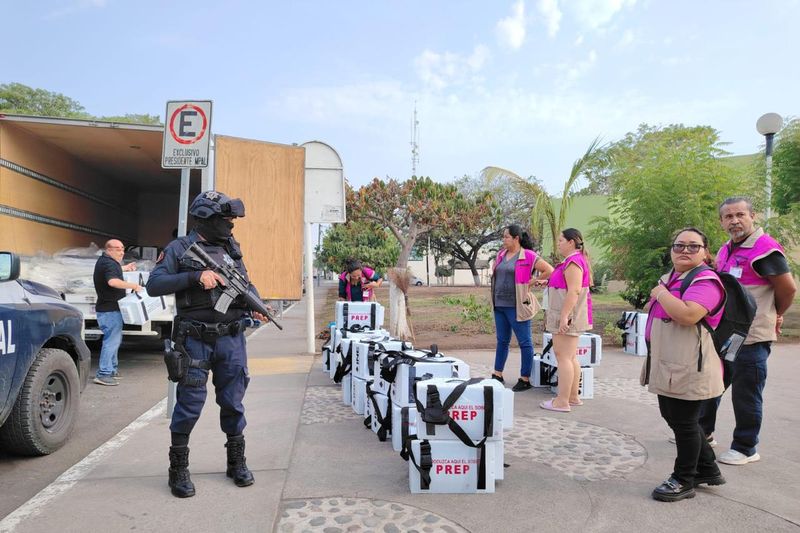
(461, 317)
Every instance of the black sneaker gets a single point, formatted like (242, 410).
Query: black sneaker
(715, 479)
(522, 385)
(673, 490)
(498, 378)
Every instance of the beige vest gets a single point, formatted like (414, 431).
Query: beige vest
(683, 362)
(579, 314)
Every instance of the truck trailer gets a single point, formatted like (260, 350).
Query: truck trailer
(66, 184)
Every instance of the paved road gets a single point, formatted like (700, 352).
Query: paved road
(104, 411)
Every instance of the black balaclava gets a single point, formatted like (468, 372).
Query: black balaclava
(215, 229)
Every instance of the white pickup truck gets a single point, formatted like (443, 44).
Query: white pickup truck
(70, 272)
(159, 325)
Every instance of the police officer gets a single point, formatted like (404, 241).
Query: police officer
(215, 341)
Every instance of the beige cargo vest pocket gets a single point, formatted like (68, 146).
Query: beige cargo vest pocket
(527, 304)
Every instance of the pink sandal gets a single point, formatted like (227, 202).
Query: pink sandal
(550, 407)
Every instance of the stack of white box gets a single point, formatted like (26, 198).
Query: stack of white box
(460, 450)
(589, 352)
(393, 391)
(633, 341)
(381, 378)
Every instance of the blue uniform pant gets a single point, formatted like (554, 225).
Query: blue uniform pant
(746, 376)
(505, 320)
(230, 377)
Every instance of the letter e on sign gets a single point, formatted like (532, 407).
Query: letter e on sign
(187, 134)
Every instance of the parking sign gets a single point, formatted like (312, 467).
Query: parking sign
(187, 132)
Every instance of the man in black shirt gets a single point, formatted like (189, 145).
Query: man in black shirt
(110, 287)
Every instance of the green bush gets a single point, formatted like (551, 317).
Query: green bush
(473, 311)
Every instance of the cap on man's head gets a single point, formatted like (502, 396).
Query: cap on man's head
(210, 203)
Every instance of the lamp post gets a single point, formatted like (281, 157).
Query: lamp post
(768, 125)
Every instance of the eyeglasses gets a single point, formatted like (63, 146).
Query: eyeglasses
(691, 248)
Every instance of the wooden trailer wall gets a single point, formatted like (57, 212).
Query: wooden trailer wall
(269, 178)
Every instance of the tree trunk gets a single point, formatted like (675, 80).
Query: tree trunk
(476, 278)
(405, 252)
(398, 323)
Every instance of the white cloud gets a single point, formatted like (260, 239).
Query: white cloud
(627, 39)
(511, 29)
(570, 72)
(75, 6)
(596, 13)
(529, 131)
(441, 70)
(551, 14)
(578, 40)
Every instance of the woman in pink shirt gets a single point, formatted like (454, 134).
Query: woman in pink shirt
(682, 365)
(569, 314)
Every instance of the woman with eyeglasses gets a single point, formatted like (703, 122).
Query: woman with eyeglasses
(682, 366)
(569, 315)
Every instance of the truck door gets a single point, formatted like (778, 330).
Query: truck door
(270, 179)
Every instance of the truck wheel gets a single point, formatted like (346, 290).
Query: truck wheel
(46, 408)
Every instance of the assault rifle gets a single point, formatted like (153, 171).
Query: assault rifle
(235, 284)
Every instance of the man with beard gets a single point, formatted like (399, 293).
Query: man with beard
(214, 341)
(759, 263)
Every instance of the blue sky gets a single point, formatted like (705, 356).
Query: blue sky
(524, 85)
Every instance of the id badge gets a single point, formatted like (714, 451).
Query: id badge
(736, 272)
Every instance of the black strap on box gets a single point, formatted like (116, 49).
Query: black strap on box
(344, 367)
(436, 413)
(425, 464)
(373, 311)
(385, 422)
(345, 310)
(405, 437)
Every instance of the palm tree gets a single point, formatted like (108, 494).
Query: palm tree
(543, 210)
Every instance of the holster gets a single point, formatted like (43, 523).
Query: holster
(177, 363)
(176, 357)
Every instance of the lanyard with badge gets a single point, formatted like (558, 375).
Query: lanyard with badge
(735, 271)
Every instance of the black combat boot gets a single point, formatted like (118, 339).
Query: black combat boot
(237, 465)
(179, 480)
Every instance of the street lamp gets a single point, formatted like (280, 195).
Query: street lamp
(768, 125)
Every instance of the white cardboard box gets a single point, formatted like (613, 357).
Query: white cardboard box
(469, 410)
(360, 314)
(454, 467)
(586, 386)
(138, 308)
(542, 373)
(635, 324)
(382, 401)
(347, 390)
(403, 390)
(359, 394)
(589, 352)
(366, 352)
(404, 425)
(136, 276)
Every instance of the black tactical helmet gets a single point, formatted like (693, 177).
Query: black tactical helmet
(211, 203)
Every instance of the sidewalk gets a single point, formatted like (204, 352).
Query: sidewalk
(318, 469)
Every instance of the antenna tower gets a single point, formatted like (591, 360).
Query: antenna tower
(414, 142)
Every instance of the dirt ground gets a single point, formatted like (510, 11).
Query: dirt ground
(435, 322)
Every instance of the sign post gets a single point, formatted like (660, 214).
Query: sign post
(324, 203)
(187, 135)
